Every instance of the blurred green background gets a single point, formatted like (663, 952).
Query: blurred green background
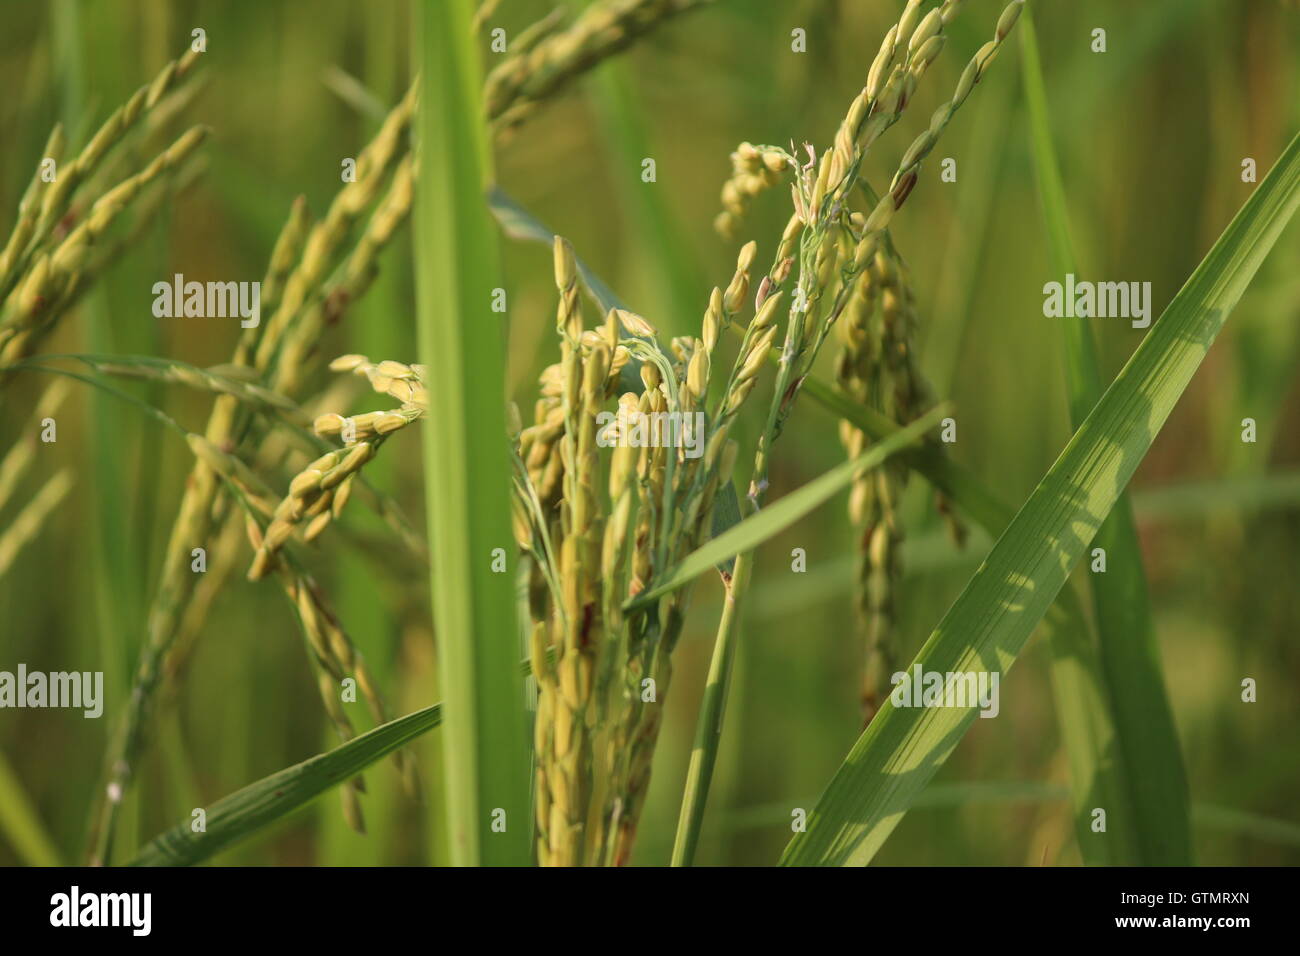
(1151, 136)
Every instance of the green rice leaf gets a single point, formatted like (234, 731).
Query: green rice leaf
(775, 518)
(245, 812)
(993, 618)
(466, 461)
(1130, 658)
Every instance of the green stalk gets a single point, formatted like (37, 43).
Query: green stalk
(741, 540)
(1130, 657)
(708, 728)
(466, 467)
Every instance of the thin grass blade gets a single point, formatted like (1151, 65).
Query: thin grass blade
(749, 533)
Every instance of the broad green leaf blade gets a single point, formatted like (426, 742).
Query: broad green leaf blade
(466, 465)
(243, 813)
(1130, 658)
(1082, 705)
(775, 518)
(992, 619)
